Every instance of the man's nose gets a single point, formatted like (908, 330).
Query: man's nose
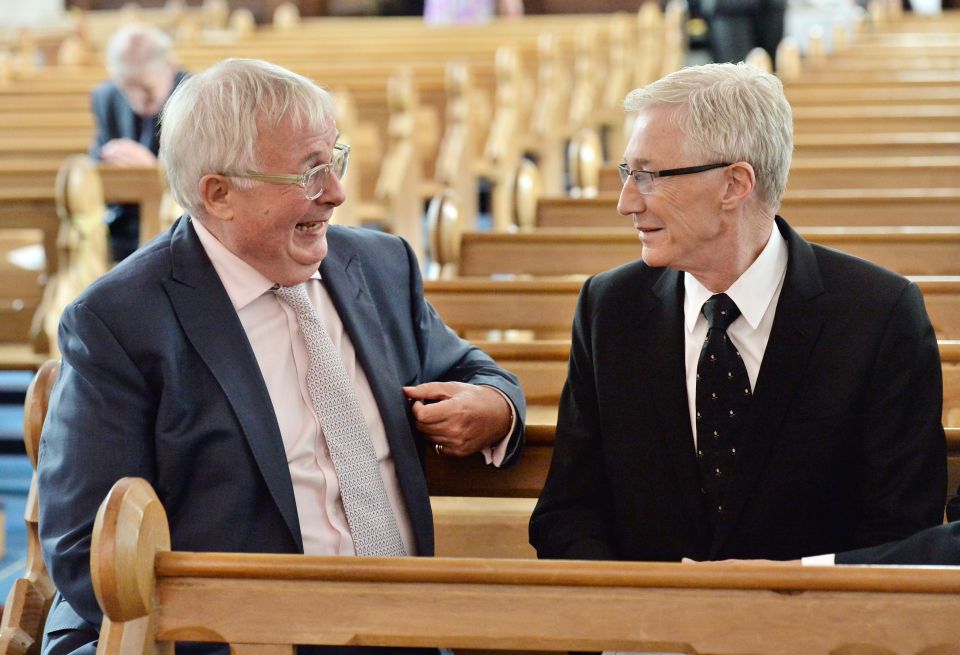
(333, 193)
(631, 201)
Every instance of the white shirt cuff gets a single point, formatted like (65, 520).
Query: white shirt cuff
(818, 560)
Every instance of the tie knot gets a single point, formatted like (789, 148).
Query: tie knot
(720, 311)
(295, 296)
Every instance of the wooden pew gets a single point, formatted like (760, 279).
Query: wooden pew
(809, 95)
(877, 144)
(541, 367)
(883, 118)
(562, 251)
(20, 285)
(867, 175)
(544, 253)
(151, 596)
(481, 304)
(495, 523)
(29, 599)
(142, 186)
(386, 45)
(824, 207)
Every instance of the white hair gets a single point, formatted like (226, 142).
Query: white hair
(729, 112)
(209, 125)
(137, 48)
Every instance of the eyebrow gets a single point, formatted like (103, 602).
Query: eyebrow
(316, 153)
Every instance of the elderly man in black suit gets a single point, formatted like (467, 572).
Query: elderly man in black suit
(739, 392)
(142, 76)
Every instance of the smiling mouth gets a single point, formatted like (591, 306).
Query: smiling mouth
(310, 226)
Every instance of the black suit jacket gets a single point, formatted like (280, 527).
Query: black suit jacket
(842, 446)
(114, 120)
(159, 381)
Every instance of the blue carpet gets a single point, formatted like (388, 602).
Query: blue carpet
(15, 474)
(11, 422)
(13, 384)
(13, 388)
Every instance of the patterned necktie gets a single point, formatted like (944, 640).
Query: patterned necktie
(723, 395)
(365, 503)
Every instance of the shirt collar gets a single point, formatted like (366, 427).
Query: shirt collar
(243, 282)
(753, 291)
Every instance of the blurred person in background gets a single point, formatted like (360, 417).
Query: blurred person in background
(143, 74)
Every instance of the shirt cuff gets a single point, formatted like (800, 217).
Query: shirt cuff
(496, 453)
(818, 560)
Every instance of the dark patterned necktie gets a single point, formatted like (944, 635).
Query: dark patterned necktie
(723, 395)
(365, 502)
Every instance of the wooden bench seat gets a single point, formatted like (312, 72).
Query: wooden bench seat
(823, 207)
(27, 197)
(884, 118)
(864, 174)
(495, 523)
(877, 144)
(826, 79)
(151, 596)
(20, 284)
(801, 96)
(565, 251)
(32, 208)
(541, 367)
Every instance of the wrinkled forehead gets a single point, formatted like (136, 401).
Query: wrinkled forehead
(656, 137)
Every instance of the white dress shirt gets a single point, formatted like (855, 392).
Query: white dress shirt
(756, 292)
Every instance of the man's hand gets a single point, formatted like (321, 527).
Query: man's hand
(127, 152)
(463, 418)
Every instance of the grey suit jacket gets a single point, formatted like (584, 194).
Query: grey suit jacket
(936, 546)
(159, 381)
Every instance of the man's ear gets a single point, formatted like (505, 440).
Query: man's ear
(216, 193)
(741, 181)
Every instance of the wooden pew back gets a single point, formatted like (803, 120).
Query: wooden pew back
(562, 251)
(28, 602)
(152, 596)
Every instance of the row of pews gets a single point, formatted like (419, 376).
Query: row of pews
(879, 186)
(418, 118)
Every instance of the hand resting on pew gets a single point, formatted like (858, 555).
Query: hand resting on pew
(127, 152)
(461, 419)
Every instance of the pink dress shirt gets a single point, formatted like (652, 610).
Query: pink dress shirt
(272, 329)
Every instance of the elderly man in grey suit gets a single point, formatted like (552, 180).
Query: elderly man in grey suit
(276, 378)
(126, 107)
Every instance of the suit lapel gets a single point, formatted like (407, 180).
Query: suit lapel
(342, 274)
(666, 373)
(214, 329)
(796, 327)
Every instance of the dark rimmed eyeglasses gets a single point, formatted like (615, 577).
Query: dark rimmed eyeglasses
(314, 181)
(644, 179)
